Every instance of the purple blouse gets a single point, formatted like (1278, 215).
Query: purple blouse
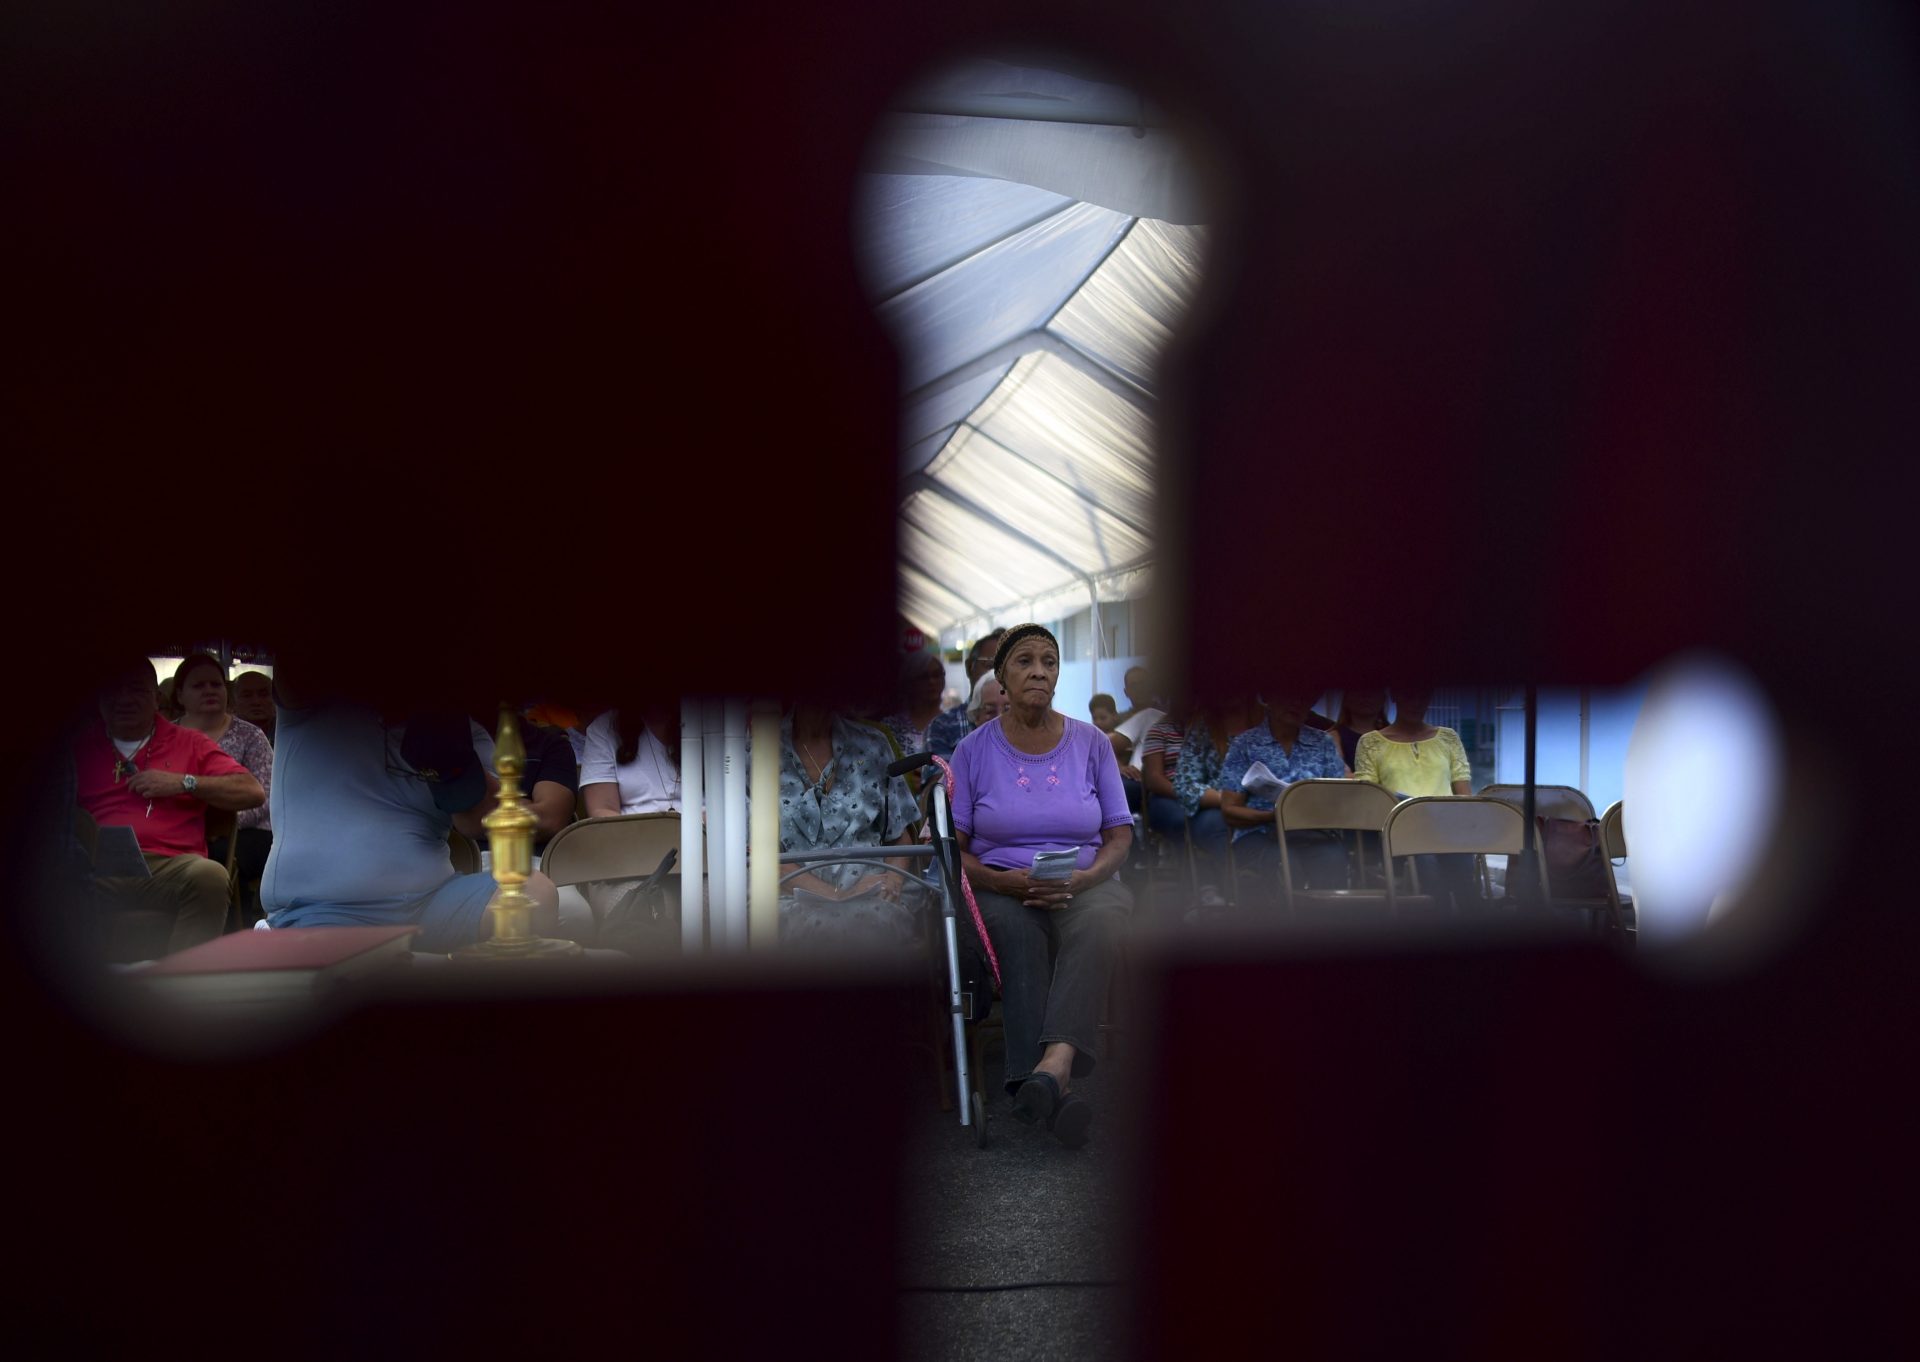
(1012, 804)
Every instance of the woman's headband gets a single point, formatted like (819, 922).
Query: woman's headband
(1015, 637)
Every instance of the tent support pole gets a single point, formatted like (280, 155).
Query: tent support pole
(1093, 591)
(1586, 733)
(1529, 867)
(733, 758)
(713, 732)
(693, 852)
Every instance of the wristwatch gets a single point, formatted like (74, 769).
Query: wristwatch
(189, 783)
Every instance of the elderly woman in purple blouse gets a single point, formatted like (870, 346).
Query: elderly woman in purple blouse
(1034, 780)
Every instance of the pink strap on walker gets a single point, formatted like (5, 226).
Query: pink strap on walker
(979, 924)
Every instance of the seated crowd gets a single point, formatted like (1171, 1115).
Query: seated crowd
(345, 812)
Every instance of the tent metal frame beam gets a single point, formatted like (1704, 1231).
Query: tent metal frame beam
(1118, 111)
(1033, 342)
(1088, 362)
(1119, 240)
(1028, 602)
(974, 251)
(1043, 337)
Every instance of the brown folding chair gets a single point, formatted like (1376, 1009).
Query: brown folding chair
(1613, 845)
(1345, 805)
(1549, 801)
(225, 823)
(1570, 805)
(464, 852)
(626, 846)
(1442, 825)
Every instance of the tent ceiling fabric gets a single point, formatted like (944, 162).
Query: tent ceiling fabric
(1069, 522)
(1127, 311)
(971, 555)
(1137, 174)
(1004, 291)
(1028, 326)
(929, 224)
(944, 410)
(923, 598)
(1059, 418)
(1071, 133)
(985, 88)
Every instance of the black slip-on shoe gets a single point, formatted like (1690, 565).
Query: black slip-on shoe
(1072, 1119)
(1036, 1100)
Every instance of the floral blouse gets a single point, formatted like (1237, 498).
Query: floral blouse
(247, 744)
(909, 738)
(1199, 768)
(853, 804)
(1315, 756)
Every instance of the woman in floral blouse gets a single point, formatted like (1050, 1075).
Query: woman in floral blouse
(835, 792)
(923, 678)
(200, 692)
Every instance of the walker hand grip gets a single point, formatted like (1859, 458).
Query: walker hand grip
(910, 763)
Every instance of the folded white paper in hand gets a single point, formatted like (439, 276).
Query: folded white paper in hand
(1261, 783)
(1055, 864)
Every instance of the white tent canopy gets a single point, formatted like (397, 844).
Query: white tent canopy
(1023, 260)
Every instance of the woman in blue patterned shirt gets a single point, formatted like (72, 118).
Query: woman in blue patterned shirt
(1196, 784)
(1291, 751)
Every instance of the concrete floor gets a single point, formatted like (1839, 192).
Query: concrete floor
(1018, 1250)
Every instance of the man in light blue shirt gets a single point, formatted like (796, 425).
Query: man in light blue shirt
(362, 808)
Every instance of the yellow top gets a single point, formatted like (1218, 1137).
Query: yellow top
(1427, 767)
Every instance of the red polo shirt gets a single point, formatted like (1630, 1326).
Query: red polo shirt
(176, 826)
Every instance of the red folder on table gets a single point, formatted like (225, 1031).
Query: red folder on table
(288, 963)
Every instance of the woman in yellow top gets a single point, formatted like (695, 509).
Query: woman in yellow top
(1412, 757)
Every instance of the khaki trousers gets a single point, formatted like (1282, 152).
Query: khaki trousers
(190, 892)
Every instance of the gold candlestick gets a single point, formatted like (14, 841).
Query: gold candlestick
(510, 839)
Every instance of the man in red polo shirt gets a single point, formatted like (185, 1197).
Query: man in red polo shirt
(135, 769)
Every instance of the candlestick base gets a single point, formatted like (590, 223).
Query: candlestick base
(526, 948)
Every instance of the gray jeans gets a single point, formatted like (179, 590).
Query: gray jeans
(1054, 968)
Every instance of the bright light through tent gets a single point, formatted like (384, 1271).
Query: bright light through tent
(1703, 794)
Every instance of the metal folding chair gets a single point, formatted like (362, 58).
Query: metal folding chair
(1613, 845)
(1442, 825)
(1569, 804)
(1354, 806)
(628, 846)
(1549, 801)
(463, 852)
(225, 823)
